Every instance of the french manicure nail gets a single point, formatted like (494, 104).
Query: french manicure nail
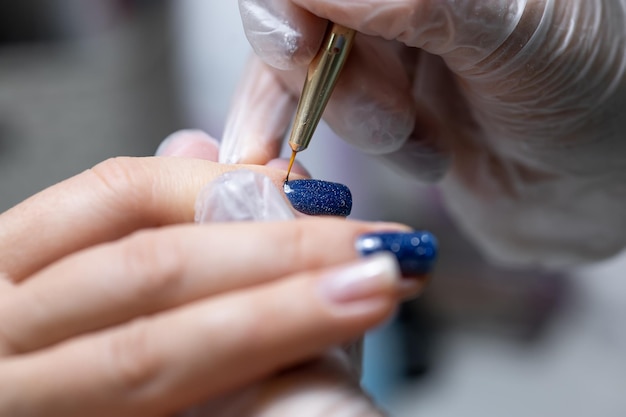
(317, 197)
(367, 279)
(416, 252)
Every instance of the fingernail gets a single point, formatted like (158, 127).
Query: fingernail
(317, 197)
(370, 278)
(189, 143)
(416, 252)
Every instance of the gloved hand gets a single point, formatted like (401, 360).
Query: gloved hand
(521, 102)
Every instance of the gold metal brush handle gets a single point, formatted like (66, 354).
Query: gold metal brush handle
(321, 78)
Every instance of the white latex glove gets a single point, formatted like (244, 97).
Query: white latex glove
(521, 102)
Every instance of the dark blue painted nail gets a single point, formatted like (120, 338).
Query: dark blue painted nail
(416, 251)
(317, 197)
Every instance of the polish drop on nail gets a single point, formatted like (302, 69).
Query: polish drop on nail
(416, 251)
(317, 197)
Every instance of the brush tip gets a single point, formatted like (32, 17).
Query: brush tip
(291, 161)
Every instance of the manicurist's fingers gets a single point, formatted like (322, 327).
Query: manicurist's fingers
(258, 118)
(371, 106)
(166, 362)
(190, 144)
(104, 203)
(199, 145)
(284, 35)
(463, 32)
(160, 269)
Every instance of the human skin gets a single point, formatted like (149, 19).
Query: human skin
(111, 303)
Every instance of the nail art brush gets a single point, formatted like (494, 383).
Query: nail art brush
(321, 78)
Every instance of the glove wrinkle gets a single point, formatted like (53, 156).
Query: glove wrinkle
(528, 97)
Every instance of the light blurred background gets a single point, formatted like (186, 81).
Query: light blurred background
(84, 80)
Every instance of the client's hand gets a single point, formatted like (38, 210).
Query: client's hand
(110, 306)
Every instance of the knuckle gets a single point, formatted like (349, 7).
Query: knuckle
(132, 361)
(307, 236)
(299, 250)
(10, 341)
(115, 172)
(7, 345)
(247, 330)
(123, 178)
(241, 329)
(154, 264)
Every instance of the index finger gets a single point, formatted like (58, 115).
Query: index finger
(102, 204)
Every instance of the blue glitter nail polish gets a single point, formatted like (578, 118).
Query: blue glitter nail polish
(317, 197)
(416, 251)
